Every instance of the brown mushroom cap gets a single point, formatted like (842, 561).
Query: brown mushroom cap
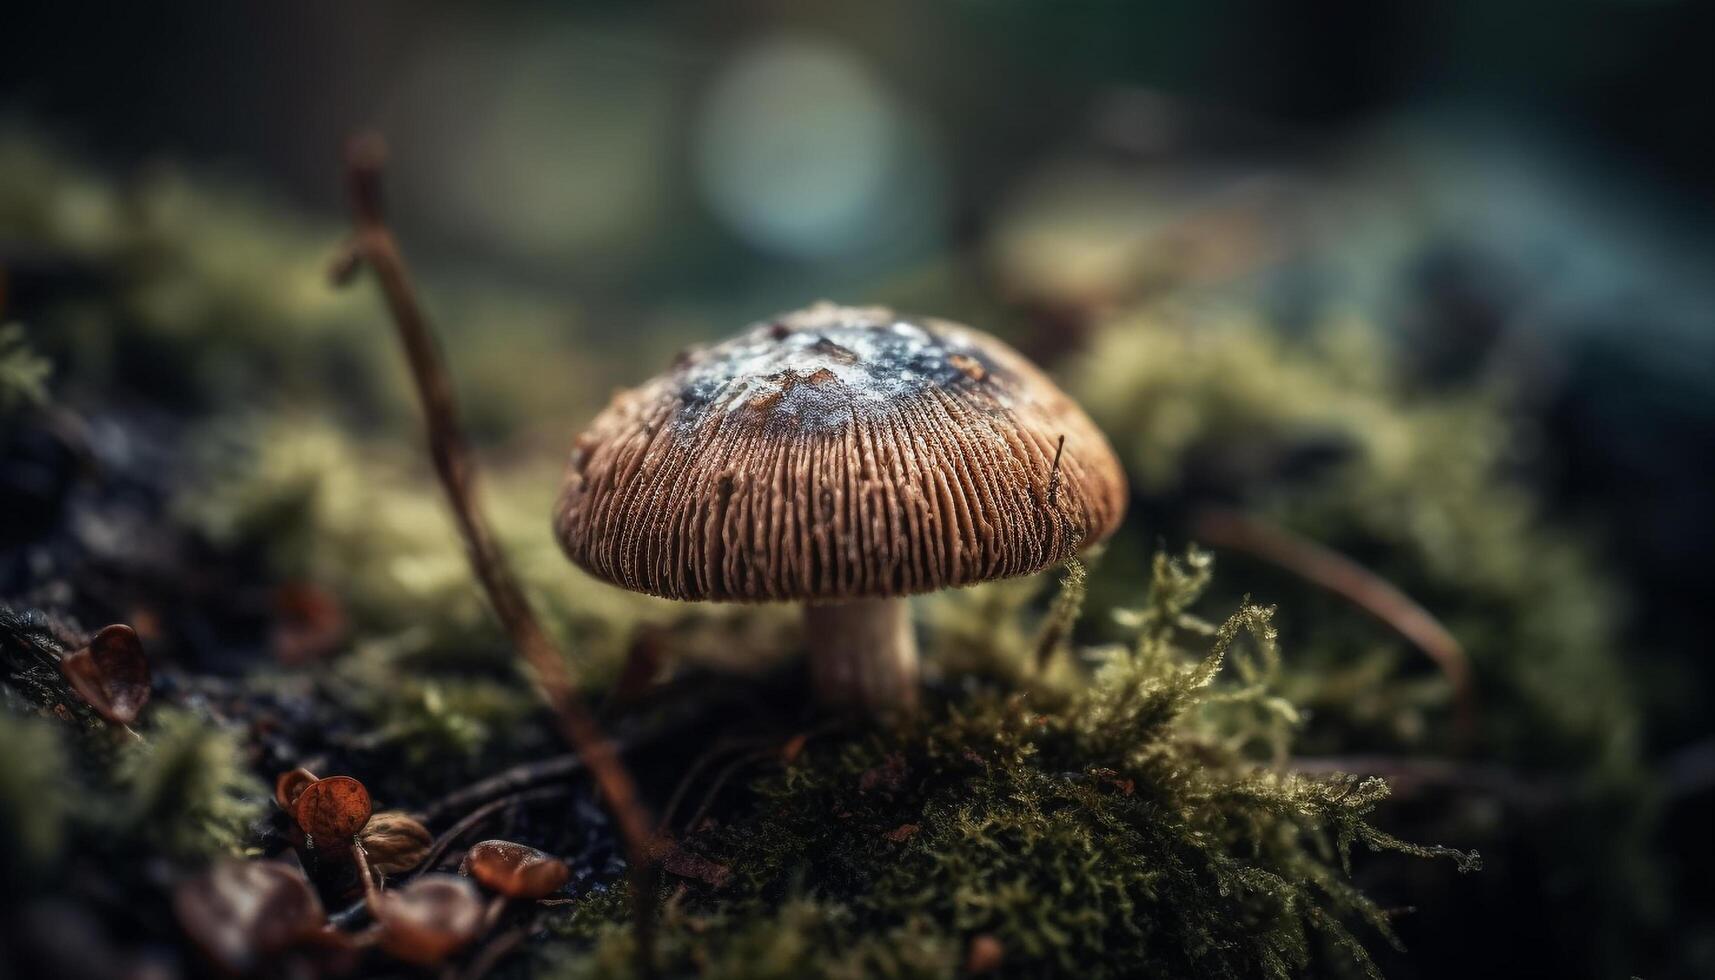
(837, 453)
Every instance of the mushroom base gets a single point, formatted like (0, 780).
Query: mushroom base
(863, 654)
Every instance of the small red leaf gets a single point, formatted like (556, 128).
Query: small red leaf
(429, 919)
(111, 673)
(332, 809)
(903, 832)
(985, 955)
(515, 870)
(239, 913)
(288, 785)
(310, 623)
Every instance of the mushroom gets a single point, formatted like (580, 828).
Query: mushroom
(842, 457)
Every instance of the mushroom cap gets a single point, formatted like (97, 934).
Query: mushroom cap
(837, 453)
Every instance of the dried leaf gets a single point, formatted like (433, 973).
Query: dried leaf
(309, 625)
(793, 748)
(241, 912)
(515, 870)
(332, 809)
(986, 954)
(903, 832)
(395, 842)
(429, 919)
(288, 785)
(111, 673)
(686, 864)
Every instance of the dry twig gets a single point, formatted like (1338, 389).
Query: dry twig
(1363, 588)
(374, 246)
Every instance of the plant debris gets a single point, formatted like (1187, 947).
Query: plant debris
(240, 913)
(429, 919)
(515, 870)
(394, 842)
(111, 673)
(332, 809)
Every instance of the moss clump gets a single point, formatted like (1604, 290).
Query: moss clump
(32, 800)
(184, 789)
(23, 375)
(1123, 826)
(1326, 435)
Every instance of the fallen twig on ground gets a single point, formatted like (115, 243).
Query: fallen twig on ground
(1365, 589)
(373, 246)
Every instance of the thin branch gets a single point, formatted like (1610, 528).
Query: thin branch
(371, 897)
(695, 769)
(373, 246)
(476, 818)
(503, 783)
(1365, 589)
(726, 773)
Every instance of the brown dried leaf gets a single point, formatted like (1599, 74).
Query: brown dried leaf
(903, 832)
(515, 870)
(241, 912)
(986, 954)
(687, 864)
(429, 919)
(793, 748)
(332, 809)
(309, 623)
(111, 673)
(289, 784)
(395, 842)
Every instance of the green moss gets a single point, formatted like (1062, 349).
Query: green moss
(184, 789)
(1416, 484)
(23, 375)
(1129, 826)
(33, 799)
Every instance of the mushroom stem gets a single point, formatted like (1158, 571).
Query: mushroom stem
(863, 654)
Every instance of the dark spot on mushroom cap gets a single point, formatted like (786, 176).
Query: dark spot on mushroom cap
(836, 453)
